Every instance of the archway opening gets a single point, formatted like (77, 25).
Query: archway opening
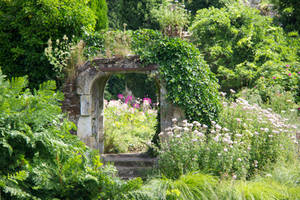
(127, 115)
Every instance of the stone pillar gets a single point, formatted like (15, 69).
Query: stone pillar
(168, 111)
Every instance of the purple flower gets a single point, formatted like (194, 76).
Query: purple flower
(298, 72)
(120, 96)
(274, 77)
(128, 98)
(287, 65)
(290, 74)
(299, 109)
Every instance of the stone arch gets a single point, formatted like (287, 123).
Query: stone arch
(90, 83)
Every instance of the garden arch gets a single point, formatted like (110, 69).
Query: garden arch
(89, 85)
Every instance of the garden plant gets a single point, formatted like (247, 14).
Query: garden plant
(233, 69)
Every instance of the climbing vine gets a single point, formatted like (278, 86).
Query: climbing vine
(188, 79)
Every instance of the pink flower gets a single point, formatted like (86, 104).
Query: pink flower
(147, 100)
(136, 105)
(290, 74)
(274, 77)
(128, 98)
(120, 96)
(298, 72)
(287, 65)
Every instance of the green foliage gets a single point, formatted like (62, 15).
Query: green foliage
(289, 15)
(172, 17)
(202, 186)
(100, 9)
(134, 126)
(39, 157)
(245, 49)
(247, 141)
(195, 5)
(65, 55)
(135, 14)
(26, 26)
(94, 43)
(140, 85)
(189, 82)
(188, 187)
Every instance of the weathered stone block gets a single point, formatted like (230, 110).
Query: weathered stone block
(84, 127)
(85, 105)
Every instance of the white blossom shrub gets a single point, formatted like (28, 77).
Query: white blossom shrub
(246, 140)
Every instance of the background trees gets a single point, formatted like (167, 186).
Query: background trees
(289, 13)
(26, 26)
(245, 49)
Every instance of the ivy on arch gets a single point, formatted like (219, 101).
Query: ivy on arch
(189, 82)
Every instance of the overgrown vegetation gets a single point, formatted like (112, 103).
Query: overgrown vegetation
(244, 146)
(39, 157)
(245, 49)
(26, 26)
(246, 141)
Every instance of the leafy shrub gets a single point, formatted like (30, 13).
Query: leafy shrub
(172, 18)
(245, 49)
(26, 26)
(247, 140)
(136, 126)
(39, 158)
(195, 5)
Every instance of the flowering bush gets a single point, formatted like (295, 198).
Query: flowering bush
(128, 126)
(246, 140)
(276, 98)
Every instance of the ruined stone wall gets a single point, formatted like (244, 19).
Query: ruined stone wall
(84, 97)
(71, 103)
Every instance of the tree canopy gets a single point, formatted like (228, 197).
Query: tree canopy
(26, 26)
